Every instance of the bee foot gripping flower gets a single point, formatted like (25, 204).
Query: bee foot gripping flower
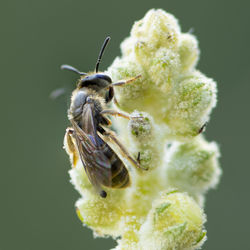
(168, 106)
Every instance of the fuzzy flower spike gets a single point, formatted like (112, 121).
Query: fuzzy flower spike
(169, 105)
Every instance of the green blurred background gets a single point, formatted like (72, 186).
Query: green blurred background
(37, 200)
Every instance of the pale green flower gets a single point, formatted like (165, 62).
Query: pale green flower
(168, 106)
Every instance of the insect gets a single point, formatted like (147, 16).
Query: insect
(89, 133)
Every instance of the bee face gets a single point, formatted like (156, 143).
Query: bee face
(96, 81)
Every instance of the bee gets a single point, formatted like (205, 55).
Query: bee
(89, 135)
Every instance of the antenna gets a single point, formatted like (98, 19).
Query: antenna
(101, 53)
(68, 67)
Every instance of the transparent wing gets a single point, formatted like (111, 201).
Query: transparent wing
(95, 162)
(88, 124)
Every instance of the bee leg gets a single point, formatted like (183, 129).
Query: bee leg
(202, 128)
(126, 81)
(120, 83)
(71, 146)
(111, 136)
(115, 113)
(139, 157)
(116, 102)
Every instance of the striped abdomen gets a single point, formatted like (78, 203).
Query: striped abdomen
(119, 176)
